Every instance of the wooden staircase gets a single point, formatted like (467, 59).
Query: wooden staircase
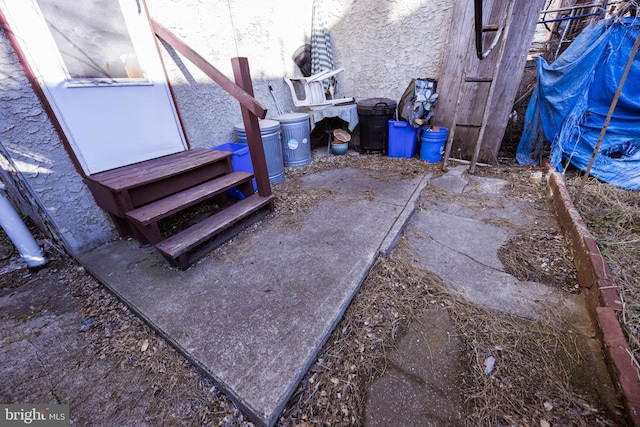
(139, 197)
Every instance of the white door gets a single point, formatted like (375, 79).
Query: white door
(99, 66)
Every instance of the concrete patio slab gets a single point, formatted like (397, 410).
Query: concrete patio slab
(254, 314)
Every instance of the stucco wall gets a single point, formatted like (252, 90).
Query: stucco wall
(267, 33)
(381, 44)
(384, 44)
(36, 167)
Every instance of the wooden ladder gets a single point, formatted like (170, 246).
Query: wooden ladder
(139, 196)
(501, 34)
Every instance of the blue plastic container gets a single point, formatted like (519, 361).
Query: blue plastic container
(403, 139)
(240, 161)
(432, 144)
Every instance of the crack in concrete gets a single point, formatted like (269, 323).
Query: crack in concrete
(467, 255)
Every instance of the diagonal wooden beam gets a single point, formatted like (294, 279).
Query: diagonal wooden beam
(246, 100)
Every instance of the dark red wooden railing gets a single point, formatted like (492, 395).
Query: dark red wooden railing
(241, 89)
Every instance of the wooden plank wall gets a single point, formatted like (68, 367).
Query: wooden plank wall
(469, 98)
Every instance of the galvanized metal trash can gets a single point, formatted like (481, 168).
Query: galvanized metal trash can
(271, 141)
(296, 139)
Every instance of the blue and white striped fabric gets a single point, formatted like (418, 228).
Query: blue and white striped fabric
(321, 50)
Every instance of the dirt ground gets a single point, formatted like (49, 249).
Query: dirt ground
(65, 339)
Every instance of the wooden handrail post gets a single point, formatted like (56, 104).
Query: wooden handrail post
(242, 90)
(252, 127)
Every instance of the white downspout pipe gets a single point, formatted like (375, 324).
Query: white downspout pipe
(19, 234)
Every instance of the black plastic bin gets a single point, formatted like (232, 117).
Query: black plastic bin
(374, 115)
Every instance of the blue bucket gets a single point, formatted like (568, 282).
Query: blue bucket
(432, 144)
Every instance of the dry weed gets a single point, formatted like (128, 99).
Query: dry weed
(612, 215)
(532, 379)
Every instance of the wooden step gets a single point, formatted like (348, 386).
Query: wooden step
(478, 79)
(170, 205)
(149, 171)
(121, 190)
(176, 248)
(490, 28)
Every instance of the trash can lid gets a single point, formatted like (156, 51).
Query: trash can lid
(377, 106)
(291, 117)
(265, 124)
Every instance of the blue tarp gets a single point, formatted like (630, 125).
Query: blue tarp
(571, 100)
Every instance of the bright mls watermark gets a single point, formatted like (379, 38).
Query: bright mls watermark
(34, 415)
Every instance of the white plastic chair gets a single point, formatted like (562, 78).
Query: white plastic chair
(309, 91)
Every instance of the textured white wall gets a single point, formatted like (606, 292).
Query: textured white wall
(384, 44)
(267, 33)
(381, 44)
(35, 163)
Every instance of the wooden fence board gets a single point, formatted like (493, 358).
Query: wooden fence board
(470, 98)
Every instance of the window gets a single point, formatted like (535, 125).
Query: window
(93, 41)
